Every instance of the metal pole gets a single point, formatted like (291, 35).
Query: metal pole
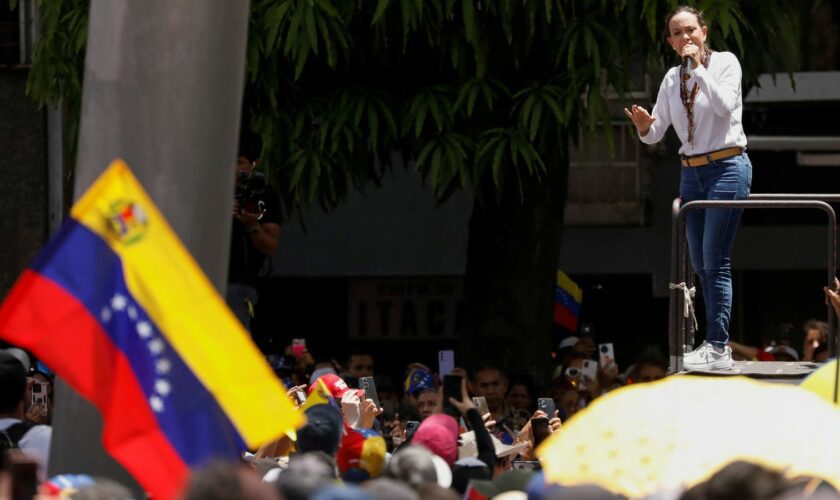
(675, 313)
(163, 90)
(826, 197)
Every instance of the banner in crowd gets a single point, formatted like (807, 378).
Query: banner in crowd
(118, 307)
(568, 297)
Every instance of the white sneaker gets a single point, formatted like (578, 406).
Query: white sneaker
(706, 358)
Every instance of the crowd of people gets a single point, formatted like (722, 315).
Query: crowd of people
(377, 435)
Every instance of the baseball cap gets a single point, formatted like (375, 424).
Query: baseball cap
(334, 384)
(569, 341)
(417, 380)
(469, 447)
(361, 455)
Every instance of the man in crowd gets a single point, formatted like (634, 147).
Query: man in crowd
(421, 392)
(491, 382)
(256, 229)
(521, 394)
(359, 364)
(33, 440)
(650, 367)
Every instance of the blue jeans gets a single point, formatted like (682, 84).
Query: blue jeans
(710, 233)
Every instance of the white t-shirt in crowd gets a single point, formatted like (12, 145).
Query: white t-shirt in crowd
(717, 108)
(35, 443)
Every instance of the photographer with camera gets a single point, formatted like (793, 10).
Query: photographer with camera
(256, 229)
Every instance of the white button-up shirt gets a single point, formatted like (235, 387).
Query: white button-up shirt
(717, 108)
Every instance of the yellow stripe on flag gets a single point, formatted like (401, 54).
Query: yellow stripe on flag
(318, 396)
(165, 279)
(566, 283)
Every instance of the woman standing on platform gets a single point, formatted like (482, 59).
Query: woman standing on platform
(701, 98)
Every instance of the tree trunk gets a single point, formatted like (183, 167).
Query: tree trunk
(511, 272)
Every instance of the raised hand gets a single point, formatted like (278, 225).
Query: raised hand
(640, 118)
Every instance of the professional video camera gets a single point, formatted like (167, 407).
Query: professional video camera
(249, 188)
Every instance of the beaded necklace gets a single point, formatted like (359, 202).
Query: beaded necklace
(688, 100)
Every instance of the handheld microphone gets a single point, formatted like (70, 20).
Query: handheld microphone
(687, 63)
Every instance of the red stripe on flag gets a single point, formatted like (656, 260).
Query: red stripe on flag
(565, 318)
(42, 317)
(474, 494)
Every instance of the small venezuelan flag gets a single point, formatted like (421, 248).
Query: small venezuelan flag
(117, 307)
(568, 297)
(320, 396)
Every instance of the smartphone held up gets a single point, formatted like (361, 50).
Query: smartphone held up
(451, 389)
(368, 385)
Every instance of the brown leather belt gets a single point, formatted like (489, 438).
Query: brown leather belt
(705, 159)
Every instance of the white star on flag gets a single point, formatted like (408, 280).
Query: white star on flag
(105, 315)
(156, 403)
(163, 366)
(162, 387)
(132, 312)
(144, 329)
(156, 346)
(118, 302)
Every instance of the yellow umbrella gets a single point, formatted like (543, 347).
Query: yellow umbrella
(823, 381)
(677, 432)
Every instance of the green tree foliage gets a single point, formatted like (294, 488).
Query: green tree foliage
(58, 61)
(465, 90)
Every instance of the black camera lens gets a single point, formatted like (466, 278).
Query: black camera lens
(604, 349)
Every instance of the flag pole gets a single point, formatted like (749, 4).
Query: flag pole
(162, 90)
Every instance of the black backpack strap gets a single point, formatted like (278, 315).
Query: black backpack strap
(17, 431)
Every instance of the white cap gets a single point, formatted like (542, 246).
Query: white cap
(569, 342)
(469, 448)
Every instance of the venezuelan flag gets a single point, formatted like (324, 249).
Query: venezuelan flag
(117, 307)
(568, 297)
(320, 396)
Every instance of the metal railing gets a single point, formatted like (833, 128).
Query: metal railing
(681, 271)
